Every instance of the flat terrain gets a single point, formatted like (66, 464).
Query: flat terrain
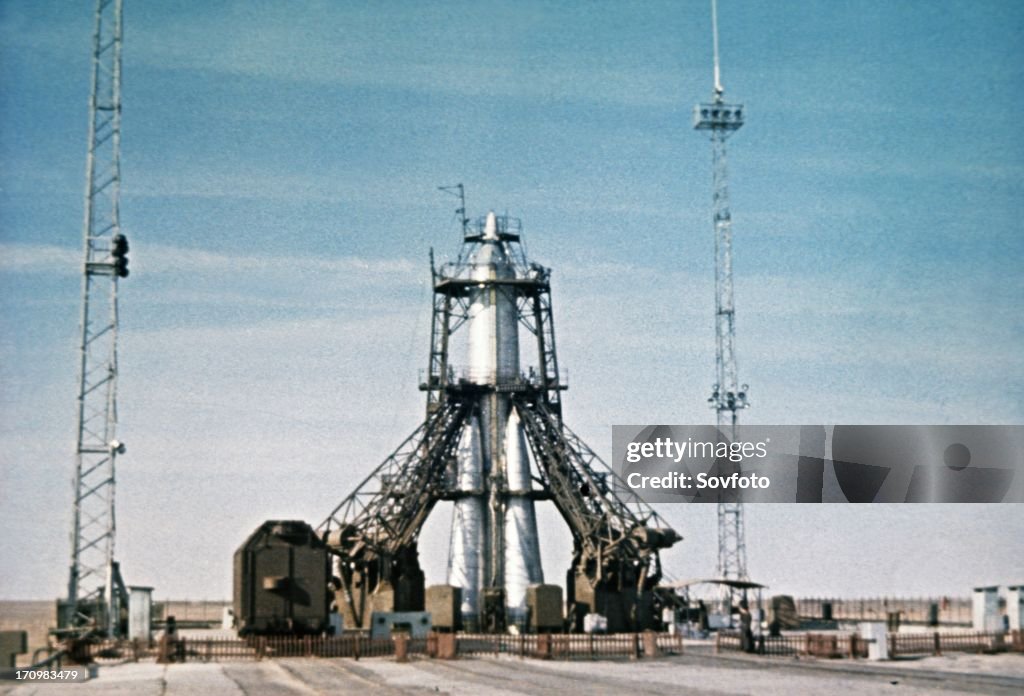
(35, 617)
(689, 674)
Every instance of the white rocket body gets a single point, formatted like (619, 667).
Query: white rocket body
(494, 529)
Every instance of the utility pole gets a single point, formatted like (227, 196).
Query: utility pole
(95, 589)
(728, 397)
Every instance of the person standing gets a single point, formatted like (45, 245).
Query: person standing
(746, 635)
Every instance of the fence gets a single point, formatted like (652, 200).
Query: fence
(232, 649)
(571, 645)
(494, 644)
(558, 646)
(830, 645)
(913, 610)
(965, 641)
(834, 645)
(566, 646)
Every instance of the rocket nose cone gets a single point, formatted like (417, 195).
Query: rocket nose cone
(491, 227)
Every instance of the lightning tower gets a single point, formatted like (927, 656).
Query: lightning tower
(95, 591)
(728, 397)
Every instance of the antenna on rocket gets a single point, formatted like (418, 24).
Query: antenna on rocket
(460, 191)
(719, 89)
(460, 212)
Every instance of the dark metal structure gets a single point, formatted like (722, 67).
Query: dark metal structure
(373, 533)
(282, 579)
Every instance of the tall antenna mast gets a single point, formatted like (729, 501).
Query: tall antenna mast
(719, 89)
(720, 120)
(95, 590)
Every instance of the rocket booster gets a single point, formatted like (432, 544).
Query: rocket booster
(494, 540)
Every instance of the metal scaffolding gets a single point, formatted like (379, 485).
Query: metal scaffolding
(373, 533)
(95, 590)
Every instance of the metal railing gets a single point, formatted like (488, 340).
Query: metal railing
(53, 662)
(521, 381)
(356, 646)
(937, 643)
(834, 645)
(546, 646)
(827, 645)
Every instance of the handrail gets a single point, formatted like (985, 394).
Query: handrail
(54, 660)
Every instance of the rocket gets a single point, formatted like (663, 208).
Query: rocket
(494, 541)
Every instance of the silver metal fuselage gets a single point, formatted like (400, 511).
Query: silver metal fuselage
(494, 530)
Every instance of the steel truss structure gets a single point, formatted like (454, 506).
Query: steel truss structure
(374, 531)
(728, 397)
(96, 593)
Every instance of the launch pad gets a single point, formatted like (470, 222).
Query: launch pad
(493, 442)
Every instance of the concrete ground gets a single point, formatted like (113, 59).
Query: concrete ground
(688, 674)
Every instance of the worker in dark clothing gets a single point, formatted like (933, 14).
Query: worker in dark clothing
(746, 634)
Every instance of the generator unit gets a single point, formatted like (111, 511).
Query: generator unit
(282, 578)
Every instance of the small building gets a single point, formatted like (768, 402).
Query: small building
(986, 615)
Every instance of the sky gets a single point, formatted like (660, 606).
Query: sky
(280, 165)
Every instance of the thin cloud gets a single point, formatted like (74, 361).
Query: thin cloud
(48, 258)
(36, 258)
(329, 44)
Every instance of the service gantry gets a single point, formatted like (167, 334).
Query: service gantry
(471, 450)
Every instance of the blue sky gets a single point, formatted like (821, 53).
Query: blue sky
(280, 164)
